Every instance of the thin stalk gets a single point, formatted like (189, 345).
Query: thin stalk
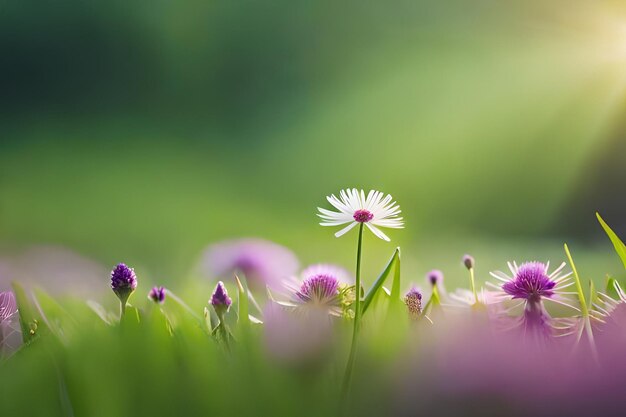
(473, 285)
(357, 318)
(122, 309)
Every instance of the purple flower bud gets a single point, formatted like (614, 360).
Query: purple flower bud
(157, 294)
(123, 281)
(435, 277)
(413, 301)
(220, 300)
(468, 261)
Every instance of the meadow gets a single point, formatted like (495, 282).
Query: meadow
(154, 152)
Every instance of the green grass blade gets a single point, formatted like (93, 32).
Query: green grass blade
(56, 318)
(433, 302)
(620, 248)
(593, 293)
(29, 320)
(394, 262)
(579, 287)
(611, 288)
(243, 304)
(396, 284)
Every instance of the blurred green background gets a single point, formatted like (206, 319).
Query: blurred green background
(142, 132)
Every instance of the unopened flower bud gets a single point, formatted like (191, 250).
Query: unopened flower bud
(157, 294)
(220, 300)
(435, 277)
(123, 281)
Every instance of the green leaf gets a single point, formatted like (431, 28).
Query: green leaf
(620, 248)
(395, 286)
(180, 311)
(243, 320)
(593, 294)
(394, 262)
(158, 322)
(131, 319)
(611, 288)
(106, 316)
(29, 320)
(579, 287)
(433, 302)
(59, 321)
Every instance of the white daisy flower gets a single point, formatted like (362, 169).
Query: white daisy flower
(374, 210)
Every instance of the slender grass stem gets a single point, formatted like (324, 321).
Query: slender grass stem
(347, 380)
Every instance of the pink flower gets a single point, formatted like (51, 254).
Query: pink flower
(262, 262)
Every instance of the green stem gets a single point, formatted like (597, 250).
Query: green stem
(473, 285)
(122, 309)
(357, 318)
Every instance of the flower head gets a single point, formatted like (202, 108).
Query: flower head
(354, 207)
(435, 277)
(220, 300)
(322, 286)
(261, 261)
(413, 301)
(319, 289)
(532, 283)
(157, 294)
(123, 281)
(468, 261)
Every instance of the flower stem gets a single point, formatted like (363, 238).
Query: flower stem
(473, 285)
(357, 319)
(122, 309)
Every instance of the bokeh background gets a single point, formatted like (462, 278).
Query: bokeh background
(143, 132)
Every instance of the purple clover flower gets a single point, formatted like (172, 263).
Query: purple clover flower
(123, 283)
(220, 300)
(157, 294)
(123, 279)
